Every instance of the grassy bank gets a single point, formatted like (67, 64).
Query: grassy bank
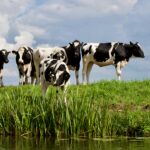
(107, 108)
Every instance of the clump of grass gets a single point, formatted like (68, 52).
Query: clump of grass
(106, 108)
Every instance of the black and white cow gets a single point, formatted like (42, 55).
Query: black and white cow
(103, 54)
(69, 54)
(3, 59)
(26, 68)
(54, 72)
(51, 52)
(74, 57)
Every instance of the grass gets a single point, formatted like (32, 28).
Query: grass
(106, 108)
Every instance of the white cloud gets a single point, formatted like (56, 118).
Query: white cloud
(4, 25)
(25, 38)
(5, 45)
(94, 7)
(10, 11)
(14, 8)
(37, 31)
(58, 20)
(47, 21)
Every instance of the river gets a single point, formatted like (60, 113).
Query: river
(10, 143)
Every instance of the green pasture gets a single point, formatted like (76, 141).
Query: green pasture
(105, 108)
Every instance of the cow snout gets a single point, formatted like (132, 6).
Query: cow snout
(6, 61)
(66, 76)
(20, 62)
(62, 79)
(77, 54)
(142, 55)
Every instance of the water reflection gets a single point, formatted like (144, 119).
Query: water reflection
(11, 143)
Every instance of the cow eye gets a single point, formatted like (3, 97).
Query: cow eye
(25, 52)
(17, 56)
(26, 57)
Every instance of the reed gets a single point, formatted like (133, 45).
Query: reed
(106, 108)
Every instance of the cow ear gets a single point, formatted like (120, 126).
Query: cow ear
(14, 52)
(131, 43)
(8, 53)
(82, 44)
(51, 70)
(90, 49)
(30, 49)
(70, 44)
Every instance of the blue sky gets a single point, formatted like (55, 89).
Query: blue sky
(58, 22)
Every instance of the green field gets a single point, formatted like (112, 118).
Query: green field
(106, 108)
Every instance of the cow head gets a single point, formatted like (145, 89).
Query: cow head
(73, 54)
(50, 74)
(23, 55)
(57, 74)
(136, 50)
(75, 47)
(62, 75)
(4, 55)
(59, 55)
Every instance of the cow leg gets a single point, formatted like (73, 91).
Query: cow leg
(37, 68)
(57, 94)
(89, 67)
(119, 66)
(28, 74)
(44, 87)
(36, 59)
(21, 80)
(1, 78)
(26, 80)
(77, 76)
(37, 76)
(84, 71)
(65, 92)
(33, 80)
(118, 70)
(1, 81)
(64, 88)
(65, 95)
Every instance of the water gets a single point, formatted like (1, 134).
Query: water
(10, 143)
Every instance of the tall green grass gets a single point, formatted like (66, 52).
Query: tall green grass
(106, 108)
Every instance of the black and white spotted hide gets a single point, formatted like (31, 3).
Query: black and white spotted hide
(54, 72)
(104, 54)
(74, 57)
(50, 52)
(3, 59)
(26, 68)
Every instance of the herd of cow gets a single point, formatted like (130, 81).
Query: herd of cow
(50, 66)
